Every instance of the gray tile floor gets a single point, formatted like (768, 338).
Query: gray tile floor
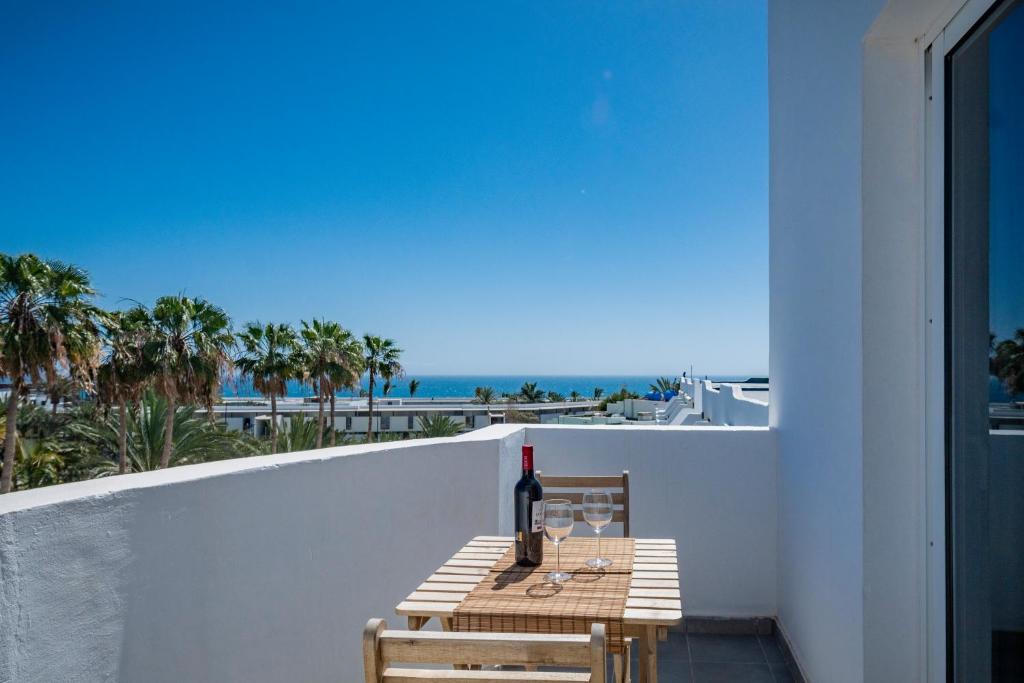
(699, 658)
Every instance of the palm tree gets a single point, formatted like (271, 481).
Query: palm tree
(124, 373)
(346, 370)
(414, 386)
(385, 389)
(380, 359)
(38, 463)
(598, 393)
(47, 326)
(300, 435)
(663, 385)
(189, 349)
(268, 357)
(529, 393)
(485, 395)
(432, 426)
(320, 358)
(60, 387)
(1008, 363)
(555, 397)
(195, 440)
(575, 396)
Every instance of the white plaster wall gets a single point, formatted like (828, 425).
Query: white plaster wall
(263, 569)
(815, 275)
(710, 488)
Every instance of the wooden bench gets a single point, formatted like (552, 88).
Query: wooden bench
(573, 488)
(382, 647)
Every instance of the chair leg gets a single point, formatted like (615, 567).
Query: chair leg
(621, 664)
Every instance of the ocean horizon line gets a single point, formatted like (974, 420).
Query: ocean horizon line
(457, 386)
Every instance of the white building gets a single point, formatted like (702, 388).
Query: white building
(397, 416)
(832, 520)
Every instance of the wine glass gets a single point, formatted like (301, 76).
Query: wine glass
(597, 511)
(558, 519)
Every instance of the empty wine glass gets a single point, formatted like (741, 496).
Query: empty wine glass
(558, 519)
(598, 511)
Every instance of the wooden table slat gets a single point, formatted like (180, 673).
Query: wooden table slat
(446, 587)
(652, 617)
(469, 563)
(476, 556)
(653, 583)
(638, 574)
(635, 592)
(646, 566)
(654, 603)
(442, 596)
(425, 609)
(456, 578)
(478, 571)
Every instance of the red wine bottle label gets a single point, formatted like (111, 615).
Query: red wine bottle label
(538, 517)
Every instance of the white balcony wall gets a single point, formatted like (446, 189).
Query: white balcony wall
(710, 488)
(262, 569)
(266, 568)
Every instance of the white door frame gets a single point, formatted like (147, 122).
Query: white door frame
(936, 45)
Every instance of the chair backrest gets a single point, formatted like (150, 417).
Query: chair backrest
(573, 488)
(381, 647)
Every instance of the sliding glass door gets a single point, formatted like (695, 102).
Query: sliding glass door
(985, 348)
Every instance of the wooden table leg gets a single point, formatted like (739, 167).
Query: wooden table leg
(446, 625)
(649, 654)
(416, 623)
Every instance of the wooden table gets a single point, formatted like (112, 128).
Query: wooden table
(652, 605)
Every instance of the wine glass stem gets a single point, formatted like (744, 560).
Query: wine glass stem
(599, 543)
(558, 558)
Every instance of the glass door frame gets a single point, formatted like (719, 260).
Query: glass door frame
(948, 659)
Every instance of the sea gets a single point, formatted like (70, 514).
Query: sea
(458, 386)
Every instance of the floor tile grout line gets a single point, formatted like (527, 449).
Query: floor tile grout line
(764, 652)
(689, 656)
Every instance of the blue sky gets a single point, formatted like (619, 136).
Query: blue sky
(548, 187)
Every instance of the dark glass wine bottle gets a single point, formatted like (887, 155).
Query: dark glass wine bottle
(529, 515)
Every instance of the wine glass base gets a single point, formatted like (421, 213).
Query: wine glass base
(599, 562)
(558, 577)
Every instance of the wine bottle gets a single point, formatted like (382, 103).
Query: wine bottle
(529, 503)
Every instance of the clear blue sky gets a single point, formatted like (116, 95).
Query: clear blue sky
(543, 187)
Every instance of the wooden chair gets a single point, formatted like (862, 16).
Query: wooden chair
(381, 647)
(573, 488)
